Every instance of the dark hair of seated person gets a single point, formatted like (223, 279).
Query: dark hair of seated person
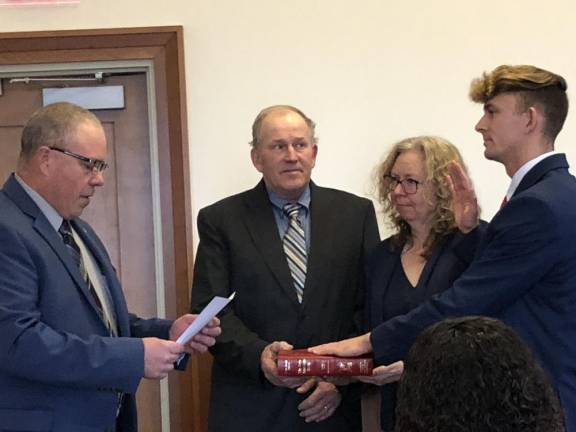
(474, 374)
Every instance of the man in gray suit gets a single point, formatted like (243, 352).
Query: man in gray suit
(293, 252)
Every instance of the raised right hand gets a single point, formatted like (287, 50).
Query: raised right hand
(464, 201)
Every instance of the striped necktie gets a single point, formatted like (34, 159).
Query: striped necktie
(74, 251)
(294, 244)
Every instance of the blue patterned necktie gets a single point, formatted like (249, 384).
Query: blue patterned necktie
(294, 244)
(74, 251)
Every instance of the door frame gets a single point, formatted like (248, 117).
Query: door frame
(163, 47)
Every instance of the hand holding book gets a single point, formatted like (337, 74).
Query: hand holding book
(268, 365)
(302, 362)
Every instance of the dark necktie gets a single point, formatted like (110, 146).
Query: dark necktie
(294, 244)
(504, 202)
(74, 251)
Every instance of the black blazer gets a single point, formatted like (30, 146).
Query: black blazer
(240, 250)
(451, 256)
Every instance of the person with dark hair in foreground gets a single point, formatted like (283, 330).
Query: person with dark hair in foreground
(474, 374)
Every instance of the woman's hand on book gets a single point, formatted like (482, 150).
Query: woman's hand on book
(384, 374)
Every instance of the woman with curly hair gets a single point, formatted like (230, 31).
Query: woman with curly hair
(431, 246)
(474, 374)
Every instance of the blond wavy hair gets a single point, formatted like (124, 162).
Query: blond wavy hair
(437, 153)
(533, 87)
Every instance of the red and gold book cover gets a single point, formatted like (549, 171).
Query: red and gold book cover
(301, 362)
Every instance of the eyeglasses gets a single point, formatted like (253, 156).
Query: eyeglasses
(410, 186)
(94, 165)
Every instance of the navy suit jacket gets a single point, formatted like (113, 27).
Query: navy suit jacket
(59, 369)
(524, 273)
(240, 250)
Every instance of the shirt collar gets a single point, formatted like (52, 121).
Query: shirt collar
(49, 212)
(278, 202)
(521, 173)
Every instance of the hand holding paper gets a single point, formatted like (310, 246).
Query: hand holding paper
(198, 332)
(200, 342)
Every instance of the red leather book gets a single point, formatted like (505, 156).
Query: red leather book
(301, 362)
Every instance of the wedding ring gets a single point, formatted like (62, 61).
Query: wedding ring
(325, 407)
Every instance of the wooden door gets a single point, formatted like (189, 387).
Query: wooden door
(163, 48)
(121, 211)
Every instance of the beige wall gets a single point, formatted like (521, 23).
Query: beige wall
(369, 72)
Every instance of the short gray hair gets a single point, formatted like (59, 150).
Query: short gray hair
(257, 125)
(52, 126)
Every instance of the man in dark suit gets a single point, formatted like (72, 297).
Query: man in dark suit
(297, 281)
(71, 356)
(524, 271)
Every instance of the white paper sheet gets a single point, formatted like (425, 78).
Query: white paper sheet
(209, 312)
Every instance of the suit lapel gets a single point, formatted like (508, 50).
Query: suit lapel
(13, 189)
(105, 267)
(322, 234)
(261, 224)
(384, 269)
(431, 263)
(540, 170)
(43, 227)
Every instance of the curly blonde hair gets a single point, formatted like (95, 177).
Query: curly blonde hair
(437, 154)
